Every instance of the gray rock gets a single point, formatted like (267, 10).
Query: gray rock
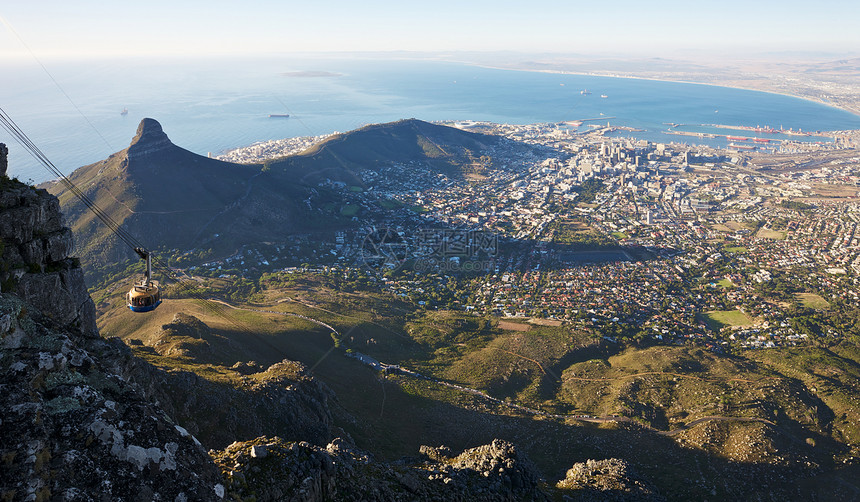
(4, 159)
(609, 479)
(59, 245)
(96, 436)
(150, 139)
(439, 454)
(11, 256)
(34, 258)
(302, 471)
(33, 252)
(17, 224)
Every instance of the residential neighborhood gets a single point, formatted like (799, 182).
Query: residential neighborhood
(655, 242)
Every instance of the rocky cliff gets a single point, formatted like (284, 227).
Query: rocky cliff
(271, 469)
(4, 162)
(74, 430)
(35, 257)
(150, 139)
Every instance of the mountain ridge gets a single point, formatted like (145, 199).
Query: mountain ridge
(168, 197)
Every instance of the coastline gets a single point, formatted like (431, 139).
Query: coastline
(655, 79)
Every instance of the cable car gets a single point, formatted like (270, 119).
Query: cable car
(144, 296)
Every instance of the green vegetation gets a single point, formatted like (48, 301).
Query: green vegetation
(429, 148)
(766, 233)
(390, 204)
(735, 249)
(7, 182)
(588, 190)
(796, 204)
(554, 369)
(812, 301)
(349, 210)
(832, 374)
(725, 284)
(571, 231)
(721, 318)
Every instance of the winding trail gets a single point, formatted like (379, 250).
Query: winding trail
(714, 419)
(289, 314)
(396, 369)
(293, 300)
(679, 375)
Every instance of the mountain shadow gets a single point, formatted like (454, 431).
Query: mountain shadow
(170, 198)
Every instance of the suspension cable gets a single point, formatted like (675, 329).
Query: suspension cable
(21, 137)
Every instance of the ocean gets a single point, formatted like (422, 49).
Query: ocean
(213, 105)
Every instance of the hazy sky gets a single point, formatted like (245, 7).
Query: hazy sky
(636, 27)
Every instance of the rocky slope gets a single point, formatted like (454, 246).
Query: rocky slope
(35, 261)
(74, 430)
(607, 480)
(72, 427)
(270, 469)
(282, 399)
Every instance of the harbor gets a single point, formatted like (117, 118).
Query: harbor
(744, 142)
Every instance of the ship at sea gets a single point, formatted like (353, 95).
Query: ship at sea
(279, 115)
(585, 92)
(604, 96)
(124, 112)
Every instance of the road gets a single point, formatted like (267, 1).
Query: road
(397, 369)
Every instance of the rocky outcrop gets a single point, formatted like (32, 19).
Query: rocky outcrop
(149, 139)
(607, 480)
(271, 469)
(74, 430)
(284, 400)
(35, 262)
(4, 156)
(189, 337)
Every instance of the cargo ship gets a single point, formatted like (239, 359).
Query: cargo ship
(742, 147)
(279, 115)
(761, 140)
(736, 138)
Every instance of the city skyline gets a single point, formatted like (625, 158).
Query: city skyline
(658, 29)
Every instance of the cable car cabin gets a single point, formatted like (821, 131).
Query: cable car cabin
(145, 295)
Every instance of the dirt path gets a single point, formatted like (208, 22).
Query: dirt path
(392, 368)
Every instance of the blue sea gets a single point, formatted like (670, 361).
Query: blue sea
(72, 111)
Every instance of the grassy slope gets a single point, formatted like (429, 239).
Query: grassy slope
(719, 318)
(663, 387)
(445, 148)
